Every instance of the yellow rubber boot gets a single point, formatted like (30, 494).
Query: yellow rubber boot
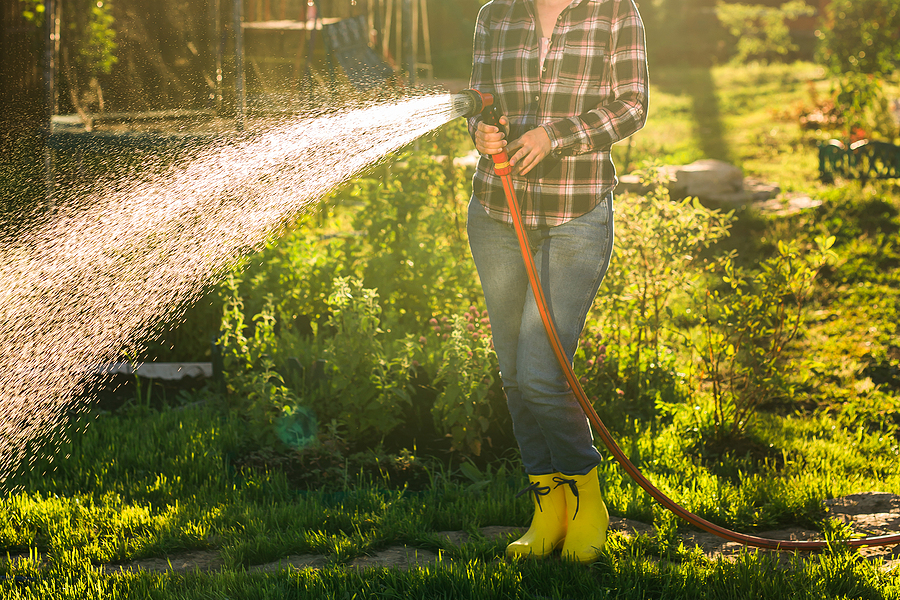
(548, 527)
(587, 517)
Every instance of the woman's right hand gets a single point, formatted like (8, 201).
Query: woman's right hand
(490, 139)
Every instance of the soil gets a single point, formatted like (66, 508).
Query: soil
(869, 513)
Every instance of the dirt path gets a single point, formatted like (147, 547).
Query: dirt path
(869, 513)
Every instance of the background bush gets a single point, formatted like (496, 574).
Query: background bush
(861, 36)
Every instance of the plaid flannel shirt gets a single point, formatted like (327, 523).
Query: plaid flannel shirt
(591, 93)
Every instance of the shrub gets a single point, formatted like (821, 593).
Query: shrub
(762, 32)
(860, 36)
(254, 386)
(366, 383)
(864, 108)
(413, 246)
(747, 327)
(355, 379)
(659, 246)
(466, 371)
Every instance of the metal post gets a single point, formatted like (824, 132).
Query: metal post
(426, 39)
(414, 43)
(239, 64)
(51, 49)
(406, 41)
(386, 29)
(216, 50)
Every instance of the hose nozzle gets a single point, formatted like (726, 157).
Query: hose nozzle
(474, 101)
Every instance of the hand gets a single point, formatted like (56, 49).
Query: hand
(489, 139)
(529, 150)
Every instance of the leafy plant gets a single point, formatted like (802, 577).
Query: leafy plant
(860, 36)
(413, 247)
(366, 384)
(254, 385)
(464, 377)
(864, 108)
(658, 252)
(761, 31)
(747, 327)
(88, 43)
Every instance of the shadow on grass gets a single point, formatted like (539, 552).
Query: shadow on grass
(699, 85)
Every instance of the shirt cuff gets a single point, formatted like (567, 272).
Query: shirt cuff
(554, 141)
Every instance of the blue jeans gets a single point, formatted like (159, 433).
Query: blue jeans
(550, 427)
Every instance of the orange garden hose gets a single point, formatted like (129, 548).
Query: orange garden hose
(503, 169)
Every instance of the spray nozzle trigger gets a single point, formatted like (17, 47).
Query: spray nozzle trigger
(491, 116)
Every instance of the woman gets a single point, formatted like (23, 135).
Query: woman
(571, 78)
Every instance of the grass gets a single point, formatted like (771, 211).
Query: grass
(140, 482)
(624, 575)
(745, 115)
(143, 484)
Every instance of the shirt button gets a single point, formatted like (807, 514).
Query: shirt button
(537, 98)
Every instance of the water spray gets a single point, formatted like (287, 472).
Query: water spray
(479, 102)
(109, 264)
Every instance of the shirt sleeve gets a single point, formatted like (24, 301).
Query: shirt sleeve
(626, 113)
(481, 79)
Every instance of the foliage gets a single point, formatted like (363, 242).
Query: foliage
(762, 32)
(865, 220)
(669, 23)
(644, 326)
(660, 243)
(89, 31)
(861, 36)
(466, 371)
(366, 383)
(351, 376)
(746, 330)
(864, 107)
(97, 52)
(257, 390)
(413, 246)
(161, 484)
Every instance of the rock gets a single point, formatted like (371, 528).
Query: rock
(400, 557)
(789, 204)
(760, 191)
(707, 179)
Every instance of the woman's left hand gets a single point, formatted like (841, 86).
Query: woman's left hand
(528, 150)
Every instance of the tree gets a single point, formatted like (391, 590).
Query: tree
(861, 36)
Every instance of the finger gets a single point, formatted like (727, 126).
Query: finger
(518, 155)
(515, 146)
(495, 134)
(490, 138)
(484, 127)
(531, 161)
(526, 167)
(494, 147)
(489, 148)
